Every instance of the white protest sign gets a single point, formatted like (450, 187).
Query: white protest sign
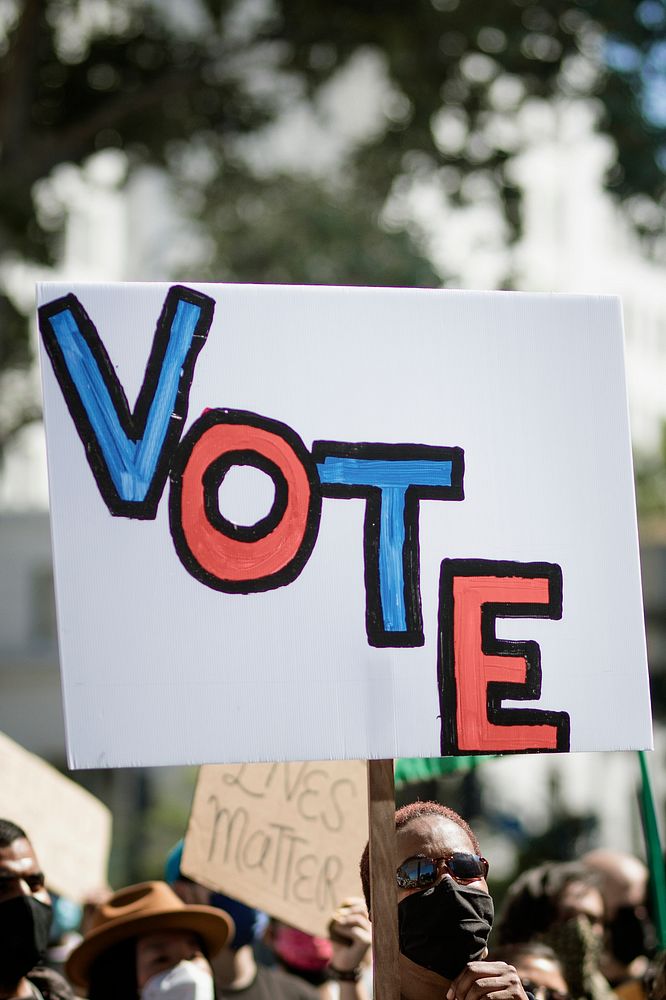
(340, 523)
(68, 827)
(286, 838)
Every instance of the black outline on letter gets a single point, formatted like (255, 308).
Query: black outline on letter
(529, 649)
(211, 481)
(133, 423)
(411, 562)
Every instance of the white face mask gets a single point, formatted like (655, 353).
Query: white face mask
(186, 981)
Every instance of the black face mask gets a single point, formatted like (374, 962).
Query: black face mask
(629, 935)
(445, 927)
(24, 936)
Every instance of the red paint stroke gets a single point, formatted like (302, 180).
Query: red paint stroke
(474, 669)
(228, 558)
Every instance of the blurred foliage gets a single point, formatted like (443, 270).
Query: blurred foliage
(482, 63)
(162, 824)
(424, 769)
(650, 479)
(301, 230)
(150, 808)
(154, 79)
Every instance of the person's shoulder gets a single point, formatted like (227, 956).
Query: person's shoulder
(50, 984)
(284, 986)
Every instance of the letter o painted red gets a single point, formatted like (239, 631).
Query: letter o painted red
(212, 554)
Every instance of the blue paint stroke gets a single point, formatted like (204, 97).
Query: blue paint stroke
(131, 463)
(393, 479)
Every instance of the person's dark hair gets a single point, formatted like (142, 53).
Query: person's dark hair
(531, 905)
(655, 978)
(405, 815)
(113, 973)
(9, 832)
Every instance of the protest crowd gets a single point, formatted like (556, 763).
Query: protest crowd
(576, 930)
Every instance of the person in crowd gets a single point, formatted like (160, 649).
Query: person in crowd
(351, 945)
(236, 971)
(65, 934)
(144, 943)
(655, 978)
(630, 937)
(25, 921)
(327, 963)
(301, 954)
(445, 911)
(560, 904)
(539, 968)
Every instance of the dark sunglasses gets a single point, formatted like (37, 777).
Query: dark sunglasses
(543, 992)
(419, 873)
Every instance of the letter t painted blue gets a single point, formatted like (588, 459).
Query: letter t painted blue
(392, 478)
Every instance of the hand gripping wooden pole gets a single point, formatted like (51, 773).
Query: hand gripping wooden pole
(383, 891)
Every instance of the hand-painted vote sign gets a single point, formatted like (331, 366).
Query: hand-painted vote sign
(346, 523)
(284, 837)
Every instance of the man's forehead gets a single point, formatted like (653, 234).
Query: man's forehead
(18, 858)
(432, 833)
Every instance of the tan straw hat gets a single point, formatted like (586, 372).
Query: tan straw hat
(142, 909)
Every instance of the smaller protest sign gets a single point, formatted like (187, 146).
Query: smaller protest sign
(286, 838)
(68, 827)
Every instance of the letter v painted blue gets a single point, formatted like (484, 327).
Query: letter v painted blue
(129, 453)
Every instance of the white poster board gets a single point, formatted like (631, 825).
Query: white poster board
(68, 827)
(284, 837)
(340, 523)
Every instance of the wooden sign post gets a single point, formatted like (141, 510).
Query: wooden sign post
(383, 894)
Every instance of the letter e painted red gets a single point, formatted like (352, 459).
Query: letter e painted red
(477, 671)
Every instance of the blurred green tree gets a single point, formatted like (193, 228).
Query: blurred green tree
(650, 479)
(78, 76)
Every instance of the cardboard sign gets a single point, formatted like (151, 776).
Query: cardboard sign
(68, 827)
(286, 838)
(340, 523)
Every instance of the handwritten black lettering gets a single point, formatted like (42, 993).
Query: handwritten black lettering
(301, 878)
(285, 833)
(237, 780)
(264, 842)
(309, 793)
(289, 857)
(240, 815)
(328, 895)
(336, 822)
(291, 786)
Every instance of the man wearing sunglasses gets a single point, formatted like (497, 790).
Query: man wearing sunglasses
(445, 912)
